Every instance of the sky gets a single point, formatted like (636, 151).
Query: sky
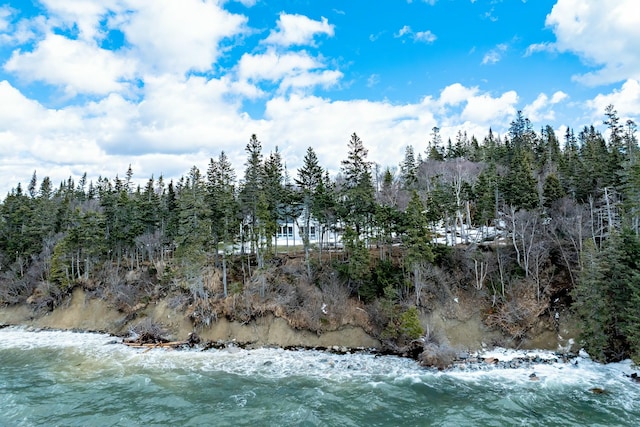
(162, 85)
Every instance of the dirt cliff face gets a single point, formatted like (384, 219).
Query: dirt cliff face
(82, 312)
(454, 326)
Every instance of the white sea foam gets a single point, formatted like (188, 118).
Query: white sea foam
(104, 352)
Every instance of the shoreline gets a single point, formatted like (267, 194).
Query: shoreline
(481, 360)
(456, 341)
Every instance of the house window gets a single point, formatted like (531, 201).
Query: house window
(285, 231)
(312, 232)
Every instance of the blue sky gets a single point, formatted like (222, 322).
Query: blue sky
(95, 85)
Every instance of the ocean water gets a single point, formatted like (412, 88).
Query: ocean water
(56, 378)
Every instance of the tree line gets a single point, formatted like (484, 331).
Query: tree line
(523, 220)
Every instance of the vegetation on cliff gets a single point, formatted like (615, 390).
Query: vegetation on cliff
(516, 227)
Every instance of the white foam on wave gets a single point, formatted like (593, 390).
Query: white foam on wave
(27, 338)
(104, 352)
(265, 362)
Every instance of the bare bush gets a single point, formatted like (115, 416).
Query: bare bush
(46, 297)
(148, 332)
(436, 355)
(519, 312)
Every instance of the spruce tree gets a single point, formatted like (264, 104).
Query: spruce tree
(308, 181)
(358, 201)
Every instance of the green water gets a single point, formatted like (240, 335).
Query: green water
(54, 378)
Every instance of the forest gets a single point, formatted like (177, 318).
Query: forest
(558, 220)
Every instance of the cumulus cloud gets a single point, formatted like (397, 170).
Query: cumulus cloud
(486, 109)
(35, 137)
(626, 101)
(603, 34)
(181, 118)
(180, 122)
(78, 66)
(81, 15)
(166, 37)
(420, 36)
(425, 36)
(176, 37)
(456, 93)
(292, 69)
(298, 30)
(541, 109)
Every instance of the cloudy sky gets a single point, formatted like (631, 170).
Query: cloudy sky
(95, 85)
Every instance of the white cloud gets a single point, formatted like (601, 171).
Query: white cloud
(373, 80)
(178, 36)
(78, 66)
(181, 122)
(5, 14)
(626, 101)
(247, 3)
(420, 36)
(558, 96)
(23, 31)
(82, 15)
(541, 108)
(162, 37)
(495, 54)
(403, 31)
(425, 36)
(603, 34)
(456, 93)
(540, 47)
(292, 69)
(487, 110)
(298, 30)
(325, 78)
(35, 137)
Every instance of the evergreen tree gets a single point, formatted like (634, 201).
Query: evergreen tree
(274, 196)
(594, 171)
(417, 242)
(486, 195)
(409, 169)
(358, 201)
(252, 188)
(435, 148)
(607, 285)
(590, 305)
(308, 181)
(193, 214)
(552, 190)
(221, 196)
(518, 185)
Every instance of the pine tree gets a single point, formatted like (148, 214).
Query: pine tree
(607, 286)
(518, 186)
(193, 214)
(485, 196)
(358, 201)
(409, 169)
(221, 196)
(552, 190)
(274, 193)
(417, 242)
(592, 308)
(309, 180)
(251, 189)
